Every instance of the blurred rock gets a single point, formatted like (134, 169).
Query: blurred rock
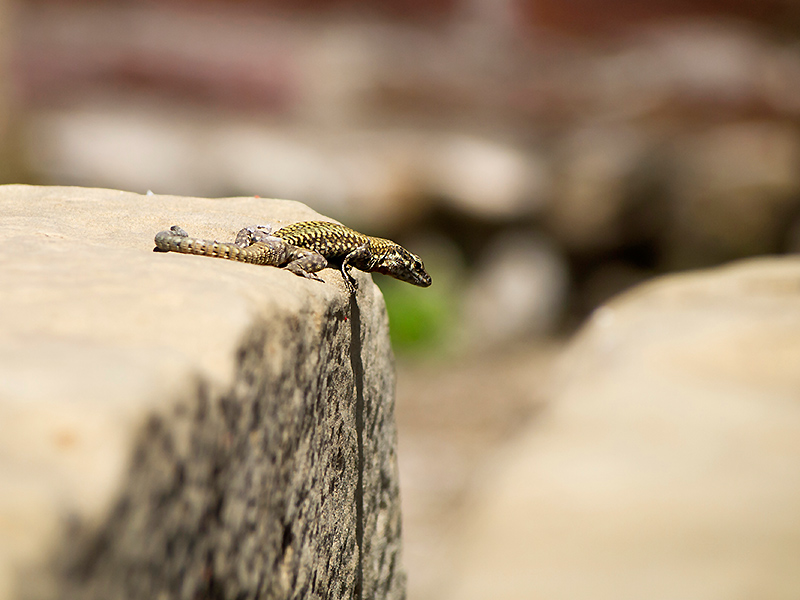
(519, 289)
(366, 177)
(782, 80)
(737, 185)
(5, 91)
(792, 241)
(375, 178)
(666, 465)
(672, 73)
(701, 63)
(595, 177)
(597, 17)
(486, 179)
(608, 279)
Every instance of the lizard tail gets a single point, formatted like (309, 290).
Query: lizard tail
(177, 240)
(270, 251)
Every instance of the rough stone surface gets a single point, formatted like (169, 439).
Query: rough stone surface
(666, 465)
(185, 427)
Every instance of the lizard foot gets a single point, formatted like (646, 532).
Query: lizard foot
(306, 263)
(299, 270)
(349, 281)
(176, 230)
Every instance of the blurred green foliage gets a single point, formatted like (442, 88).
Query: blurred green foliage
(424, 321)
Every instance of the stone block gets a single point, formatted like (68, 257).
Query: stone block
(178, 426)
(665, 465)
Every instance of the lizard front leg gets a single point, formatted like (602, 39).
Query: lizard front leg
(361, 258)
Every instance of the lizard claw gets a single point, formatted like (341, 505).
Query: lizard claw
(351, 284)
(349, 281)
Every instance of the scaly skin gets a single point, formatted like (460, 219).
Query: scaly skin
(306, 248)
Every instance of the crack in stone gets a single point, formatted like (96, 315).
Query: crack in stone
(358, 378)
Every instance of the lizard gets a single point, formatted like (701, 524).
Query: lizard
(305, 248)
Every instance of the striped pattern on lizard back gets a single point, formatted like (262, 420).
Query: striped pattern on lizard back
(331, 240)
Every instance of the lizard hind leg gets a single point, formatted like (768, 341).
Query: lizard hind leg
(306, 263)
(177, 230)
(250, 235)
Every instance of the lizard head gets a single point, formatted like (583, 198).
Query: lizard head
(401, 264)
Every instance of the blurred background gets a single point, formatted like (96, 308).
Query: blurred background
(540, 155)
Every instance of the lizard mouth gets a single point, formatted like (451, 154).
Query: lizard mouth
(418, 279)
(422, 280)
